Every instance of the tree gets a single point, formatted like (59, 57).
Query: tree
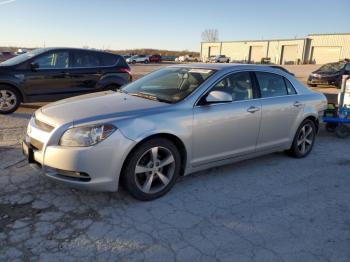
(210, 35)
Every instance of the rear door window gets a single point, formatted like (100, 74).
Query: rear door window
(85, 60)
(271, 85)
(290, 87)
(108, 59)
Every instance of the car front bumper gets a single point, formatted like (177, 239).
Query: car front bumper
(322, 80)
(96, 167)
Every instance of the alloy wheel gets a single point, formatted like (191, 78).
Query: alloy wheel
(305, 139)
(8, 100)
(154, 170)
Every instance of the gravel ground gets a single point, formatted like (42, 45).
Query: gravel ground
(273, 208)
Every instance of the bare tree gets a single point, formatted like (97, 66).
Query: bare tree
(210, 35)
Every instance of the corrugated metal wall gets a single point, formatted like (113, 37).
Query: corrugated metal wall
(283, 51)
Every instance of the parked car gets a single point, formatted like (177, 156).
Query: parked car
(155, 58)
(172, 122)
(219, 59)
(21, 51)
(329, 74)
(138, 59)
(168, 58)
(49, 74)
(126, 56)
(188, 58)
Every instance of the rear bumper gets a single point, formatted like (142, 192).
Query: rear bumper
(96, 167)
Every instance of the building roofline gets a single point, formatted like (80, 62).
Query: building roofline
(330, 34)
(271, 40)
(267, 40)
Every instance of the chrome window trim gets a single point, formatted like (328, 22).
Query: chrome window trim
(284, 78)
(253, 99)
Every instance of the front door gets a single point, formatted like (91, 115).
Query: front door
(50, 79)
(227, 130)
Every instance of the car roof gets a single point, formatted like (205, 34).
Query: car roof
(219, 66)
(45, 49)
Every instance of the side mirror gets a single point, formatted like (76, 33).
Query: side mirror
(347, 67)
(218, 97)
(34, 66)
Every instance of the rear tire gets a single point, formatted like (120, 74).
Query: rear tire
(10, 99)
(112, 87)
(342, 131)
(304, 139)
(146, 62)
(152, 169)
(338, 84)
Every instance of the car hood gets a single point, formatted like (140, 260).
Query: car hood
(326, 73)
(96, 107)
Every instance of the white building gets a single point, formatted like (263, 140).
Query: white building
(315, 48)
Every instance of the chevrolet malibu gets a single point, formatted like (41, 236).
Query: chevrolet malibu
(170, 123)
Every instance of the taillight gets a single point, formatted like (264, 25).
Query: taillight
(125, 70)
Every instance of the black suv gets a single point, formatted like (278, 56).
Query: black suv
(49, 74)
(329, 74)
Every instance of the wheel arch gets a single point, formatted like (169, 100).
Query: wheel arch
(315, 120)
(109, 80)
(172, 138)
(22, 95)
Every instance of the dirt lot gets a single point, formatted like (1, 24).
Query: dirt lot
(273, 208)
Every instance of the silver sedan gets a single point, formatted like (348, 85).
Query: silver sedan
(170, 123)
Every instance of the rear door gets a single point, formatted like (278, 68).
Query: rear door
(280, 110)
(226, 130)
(51, 79)
(86, 71)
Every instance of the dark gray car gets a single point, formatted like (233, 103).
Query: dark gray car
(50, 74)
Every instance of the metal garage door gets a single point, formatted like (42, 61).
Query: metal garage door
(255, 54)
(325, 54)
(289, 54)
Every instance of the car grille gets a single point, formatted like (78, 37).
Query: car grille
(43, 126)
(36, 144)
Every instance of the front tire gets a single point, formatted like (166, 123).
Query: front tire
(146, 62)
(10, 99)
(151, 169)
(304, 139)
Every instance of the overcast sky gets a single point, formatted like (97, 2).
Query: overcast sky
(163, 24)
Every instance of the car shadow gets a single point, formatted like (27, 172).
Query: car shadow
(32, 106)
(21, 115)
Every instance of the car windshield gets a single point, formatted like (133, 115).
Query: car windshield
(21, 58)
(169, 85)
(332, 67)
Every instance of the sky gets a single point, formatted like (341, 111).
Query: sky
(163, 24)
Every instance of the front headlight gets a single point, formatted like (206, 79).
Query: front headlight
(87, 135)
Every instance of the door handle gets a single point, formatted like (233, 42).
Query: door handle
(297, 104)
(253, 109)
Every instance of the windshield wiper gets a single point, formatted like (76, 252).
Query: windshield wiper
(150, 96)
